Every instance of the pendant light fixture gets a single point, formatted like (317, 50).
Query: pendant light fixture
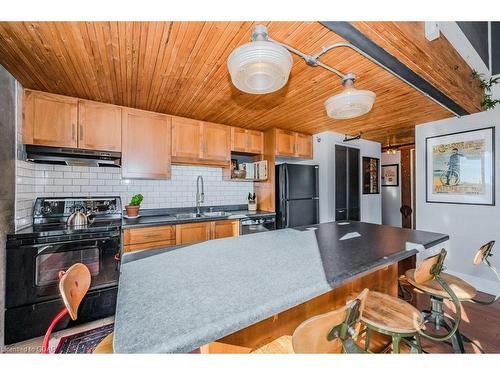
(261, 66)
(350, 102)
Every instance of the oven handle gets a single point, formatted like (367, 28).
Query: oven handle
(45, 246)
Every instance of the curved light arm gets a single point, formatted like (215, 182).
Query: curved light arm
(310, 59)
(486, 261)
(313, 60)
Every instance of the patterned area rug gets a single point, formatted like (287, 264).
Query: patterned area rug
(83, 342)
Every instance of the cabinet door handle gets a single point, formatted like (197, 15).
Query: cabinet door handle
(152, 235)
(73, 131)
(81, 132)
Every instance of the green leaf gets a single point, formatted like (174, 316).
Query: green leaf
(136, 200)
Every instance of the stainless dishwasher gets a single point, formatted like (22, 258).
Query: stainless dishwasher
(257, 224)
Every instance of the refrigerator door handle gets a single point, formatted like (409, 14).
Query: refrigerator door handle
(285, 185)
(285, 217)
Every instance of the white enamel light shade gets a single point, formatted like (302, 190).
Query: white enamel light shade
(349, 103)
(259, 67)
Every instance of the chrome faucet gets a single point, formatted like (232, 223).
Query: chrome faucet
(200, 197)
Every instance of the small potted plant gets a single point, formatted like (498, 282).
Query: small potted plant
(135, 204)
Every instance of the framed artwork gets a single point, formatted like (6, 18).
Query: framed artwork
(371, 175)
(390, 175)
(460, 167)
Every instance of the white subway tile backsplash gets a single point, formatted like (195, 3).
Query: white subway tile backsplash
(64, 168)
(62, 181)
(39, 180)
(71, 188)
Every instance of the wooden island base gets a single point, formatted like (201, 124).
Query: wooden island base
(383, 280)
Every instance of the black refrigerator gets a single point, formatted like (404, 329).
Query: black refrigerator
(297, 195)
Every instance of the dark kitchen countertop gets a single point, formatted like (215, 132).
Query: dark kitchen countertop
(165, 216)
(175, 300)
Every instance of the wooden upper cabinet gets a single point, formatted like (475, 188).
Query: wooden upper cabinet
(238, 139)
(216, 142)
(49, 120)
(255, 141)
(304, 146)
(285, 143)
(198, 142)
(247, 141)
(99, 126)
(186, 139)
(292, 144)
(146, 144)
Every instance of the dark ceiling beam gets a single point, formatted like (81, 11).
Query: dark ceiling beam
(359, 40)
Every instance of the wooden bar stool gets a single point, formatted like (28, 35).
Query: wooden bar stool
(332, 332)
(464, 292)
(393, 317)
(73, 286)
(429, 278)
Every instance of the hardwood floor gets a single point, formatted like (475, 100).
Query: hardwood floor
(479, 323)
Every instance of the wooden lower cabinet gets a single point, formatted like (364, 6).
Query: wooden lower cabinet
(168, 235)
(148, 237)
(192, 232)
(225, 228)
(207, 230)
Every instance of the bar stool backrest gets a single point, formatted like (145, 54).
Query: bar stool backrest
(73, 286)
(427, 269)
(325, 333)
(482, 256)
(483, 252)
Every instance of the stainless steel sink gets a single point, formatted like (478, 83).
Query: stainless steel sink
(189, 215)
(215, 214)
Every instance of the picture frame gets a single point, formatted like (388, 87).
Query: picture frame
(390, 175)
(460, 167)
(371, 173)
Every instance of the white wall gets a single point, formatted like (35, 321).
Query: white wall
(468, 226)
(324, 155)
(391, 195)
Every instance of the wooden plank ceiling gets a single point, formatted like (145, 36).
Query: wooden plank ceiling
(179, 68)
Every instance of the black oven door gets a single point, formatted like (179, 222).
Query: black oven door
(33, 270)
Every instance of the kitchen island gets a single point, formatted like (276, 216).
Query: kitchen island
(252, 289)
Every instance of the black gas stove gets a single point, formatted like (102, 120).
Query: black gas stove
(35, 255)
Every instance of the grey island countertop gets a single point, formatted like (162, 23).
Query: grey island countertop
(174, 301)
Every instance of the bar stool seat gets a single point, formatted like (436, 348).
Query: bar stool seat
(463, 290)
(105, 346)
(391, 314)
(393, 317)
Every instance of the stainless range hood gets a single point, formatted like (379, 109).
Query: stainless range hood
(72, 156)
